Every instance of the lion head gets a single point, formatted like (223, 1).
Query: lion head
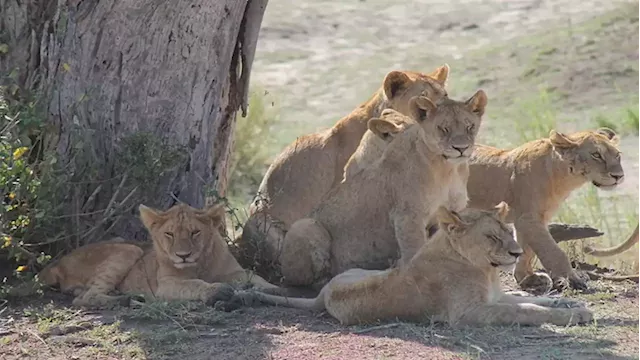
(481, 236)
(183, 233)
(449, 126)
(400, 86)
(591, 154)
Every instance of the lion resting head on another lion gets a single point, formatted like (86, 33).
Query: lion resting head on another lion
(378, 214)
(301, 175)
(454, 278)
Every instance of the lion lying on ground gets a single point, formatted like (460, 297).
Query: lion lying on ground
(379, 214)
(535, 178)
(303, 173)
(453, 278)
(189, 260)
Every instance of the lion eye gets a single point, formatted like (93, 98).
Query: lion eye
(169, 235)
(494, 238)
(471, 127)
(596, 156)
(195, 233)
(443, 130)
(618, 155)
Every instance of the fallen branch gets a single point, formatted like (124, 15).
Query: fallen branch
(566, 232)
(596, 276)
(374, 328)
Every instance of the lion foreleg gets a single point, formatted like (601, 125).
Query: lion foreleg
(411, 233)
(534, 233)
(170, 288)
(518, 298)
(524, 314)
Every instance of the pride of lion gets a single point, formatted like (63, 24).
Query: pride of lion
(394, 212)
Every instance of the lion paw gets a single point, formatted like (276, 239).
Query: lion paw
(574, 281)
(536, 284)
(238, 300)
(580, 316)
(219, 292)
(567, 303)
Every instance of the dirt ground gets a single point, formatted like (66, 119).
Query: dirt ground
(50, 329)
(321, 58)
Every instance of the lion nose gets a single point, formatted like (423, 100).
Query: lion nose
(617, 177)
(515, 254)
(461, 149)
(183, 255)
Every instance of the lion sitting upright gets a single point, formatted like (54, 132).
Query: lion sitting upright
(535, 178)
(299, 178)
(454, 278)
(379, 214)
(189, 260)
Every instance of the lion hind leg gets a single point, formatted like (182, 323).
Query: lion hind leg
(257, 247)
(107, 276)
(305, 258)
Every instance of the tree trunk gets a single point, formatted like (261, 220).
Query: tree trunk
(139, 96)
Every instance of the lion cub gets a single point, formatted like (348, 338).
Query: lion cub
(382, 210)
(454, 278)
(189, 260)
(535, 178)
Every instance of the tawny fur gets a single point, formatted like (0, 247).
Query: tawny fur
(189, 260)
(299, 178)
(379, 214)
(453, 278)
(535, 179)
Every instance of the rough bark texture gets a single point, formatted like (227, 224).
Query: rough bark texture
(176, 70)
(566, 232)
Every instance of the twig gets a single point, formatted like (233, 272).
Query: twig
(547, 336)
(115, 195)
(107, 216)
(460, 342)
(91, 198)
(596, 276)
(39, 338)
(374, 328)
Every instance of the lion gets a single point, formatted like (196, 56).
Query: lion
(379, 214)
(300, 176)
(188, 260)
(454, 278)
(535, 178)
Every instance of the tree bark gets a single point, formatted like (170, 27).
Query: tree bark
(176, 71)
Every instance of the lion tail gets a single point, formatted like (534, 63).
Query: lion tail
(615, 250)
(316, 303)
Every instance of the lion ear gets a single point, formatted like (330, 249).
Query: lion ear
(560, 140)
(609, 134)
(149, 216)
(383, 128)
(440, 74)
(215, 214)
(477, 102)
(393, 82)
(420, 107)
(449, 220)
(501, 211)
